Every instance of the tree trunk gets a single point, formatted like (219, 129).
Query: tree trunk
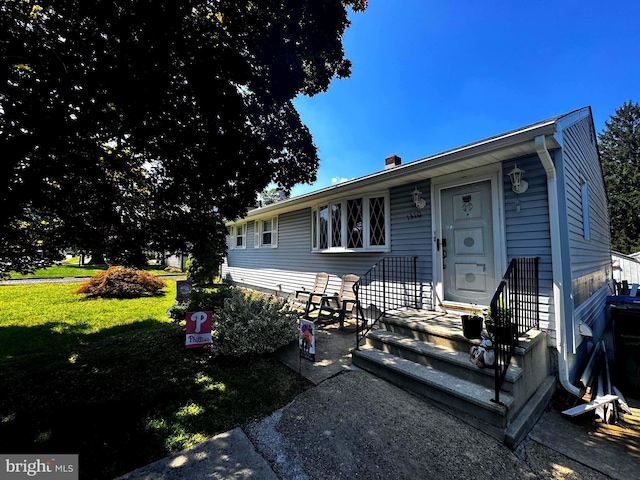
(97, 258)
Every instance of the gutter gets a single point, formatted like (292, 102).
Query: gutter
(557, 264)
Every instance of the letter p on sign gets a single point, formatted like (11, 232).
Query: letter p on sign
(199, 318)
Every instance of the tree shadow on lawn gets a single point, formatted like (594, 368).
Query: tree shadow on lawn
(130, 395)
(27, 343)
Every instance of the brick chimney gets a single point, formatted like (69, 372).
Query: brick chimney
(392, 161)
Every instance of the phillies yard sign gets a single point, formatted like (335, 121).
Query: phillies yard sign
(198, 329)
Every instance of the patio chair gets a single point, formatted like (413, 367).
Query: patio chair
(311, 298)
(342, 303)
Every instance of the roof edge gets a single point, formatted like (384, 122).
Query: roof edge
(527, 133)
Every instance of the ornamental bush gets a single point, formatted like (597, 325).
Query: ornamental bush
(201, 299)
(247, 325)
(203, 263)
(122, 282)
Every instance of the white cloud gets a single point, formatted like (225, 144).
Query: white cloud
(335, 180)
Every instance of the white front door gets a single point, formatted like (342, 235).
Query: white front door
(467, 243)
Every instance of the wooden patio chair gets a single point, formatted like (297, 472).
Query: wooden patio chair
(311, 298)
(342, 303)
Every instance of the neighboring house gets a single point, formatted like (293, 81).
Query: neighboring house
(177, 260)
(459, 213)
(626, 267)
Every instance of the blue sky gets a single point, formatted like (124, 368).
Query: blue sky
(431, 75)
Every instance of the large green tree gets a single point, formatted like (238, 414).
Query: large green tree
(132, 122)
(619, 145)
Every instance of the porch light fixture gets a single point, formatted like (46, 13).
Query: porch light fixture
(417, 198)
(518, 185)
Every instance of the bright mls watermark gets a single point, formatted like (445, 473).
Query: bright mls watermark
(39, 466)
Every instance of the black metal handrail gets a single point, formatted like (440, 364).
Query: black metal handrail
(514, 311)
(391, 284)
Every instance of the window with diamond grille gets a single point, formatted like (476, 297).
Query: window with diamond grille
(354, 223)
(314, 229)
(377, 233)
(336, 225)
(323, 218)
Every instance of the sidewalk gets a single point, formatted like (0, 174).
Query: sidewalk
(354, 425)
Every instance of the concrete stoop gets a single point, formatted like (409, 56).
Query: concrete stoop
(427, 354)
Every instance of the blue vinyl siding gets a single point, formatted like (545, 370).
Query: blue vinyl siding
(292, 265)
(590, 257)
(411, 233)
(527, 227)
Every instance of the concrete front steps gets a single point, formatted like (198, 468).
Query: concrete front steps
(425, 352)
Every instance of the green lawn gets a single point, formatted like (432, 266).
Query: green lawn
(112, 381)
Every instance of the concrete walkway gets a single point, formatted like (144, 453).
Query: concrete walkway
(354, 425)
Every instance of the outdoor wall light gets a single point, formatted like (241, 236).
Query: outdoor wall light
(417, 198)
(518, 185)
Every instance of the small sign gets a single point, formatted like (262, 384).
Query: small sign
(183, 287)
(198, 329)
(307, 340)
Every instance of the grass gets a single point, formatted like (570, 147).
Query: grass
(73, 270)
(112, 381)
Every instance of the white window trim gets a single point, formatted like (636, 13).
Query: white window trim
(315, 242)
(258, 231)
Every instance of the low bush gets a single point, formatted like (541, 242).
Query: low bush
(249, 325)
(122, 282)
(178, 311)
(201, 299)
(210, 298)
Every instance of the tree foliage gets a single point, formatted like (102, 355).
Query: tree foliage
(272, 195)
(130, 123)
(619, 145)
(203, 263)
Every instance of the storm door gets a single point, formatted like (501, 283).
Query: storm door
(467, 243)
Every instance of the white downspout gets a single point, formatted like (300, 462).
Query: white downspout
(557, 263)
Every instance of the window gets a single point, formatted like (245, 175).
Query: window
(336, 225)
(355, 236)
(377, 224)
(266, 233)
(239, 236)
(355, 224)
(314, 228)
(323, 218)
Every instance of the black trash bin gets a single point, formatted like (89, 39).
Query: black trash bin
(626, 333)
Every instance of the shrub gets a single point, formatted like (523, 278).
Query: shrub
(200, 299)
(203, 263)
(208, 298)
(252, 325)
(171, 269)
(122, 282)
(178, 311)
